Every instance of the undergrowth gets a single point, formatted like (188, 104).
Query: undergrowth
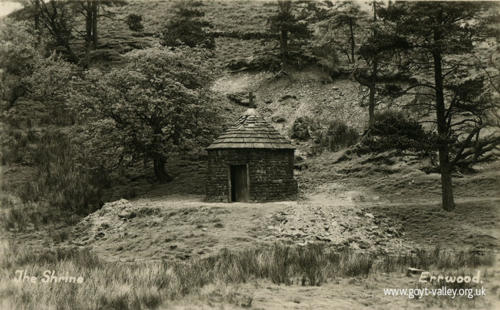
(151, 284)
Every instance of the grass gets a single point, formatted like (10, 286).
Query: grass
(151, 284)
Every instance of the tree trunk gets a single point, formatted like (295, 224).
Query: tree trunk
(373, 80)
(70, 54)
(88, 22)
(160, 170)
(371, 106)
(444, 160)
(94, 23)
(37, 23)
(284, 47)
(352, 40)
(88, 32)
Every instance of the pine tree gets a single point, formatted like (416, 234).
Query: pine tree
(290, 28)
(444, 38)
(188, 28)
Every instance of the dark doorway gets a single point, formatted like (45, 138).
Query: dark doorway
(239, 184)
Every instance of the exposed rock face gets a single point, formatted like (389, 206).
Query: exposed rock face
(240, 98)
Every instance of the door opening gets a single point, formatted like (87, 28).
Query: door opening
(239, 184)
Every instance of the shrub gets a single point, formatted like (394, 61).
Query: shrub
(334, 136)
(63, 180)
(267, 62)
(187, 28)
(300, 129)
(134, 22)
(394, 130)
(20, 216)
(304, 128)
(339, 135)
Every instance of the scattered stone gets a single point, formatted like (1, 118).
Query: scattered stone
(369, 215)
(300, 166)
(99, 235)
(412, 271)
(240, 98)
(286, 97)
(127, 215)
(278, 119)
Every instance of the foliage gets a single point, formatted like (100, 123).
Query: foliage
(394, 130)
(362, 43)
(40, 106)
(290, 28)
(445, 57)
(57, 20)
(63, 180)
(334, 136)
(18, 55)
(39, 133)
(134, 22)
(92, 10)
(267, 62)
(339, 135)
(40, 127)
(303, 128)
(157, 104)
(339, 30)
(187, 28)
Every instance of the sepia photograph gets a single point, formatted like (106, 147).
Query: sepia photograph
(249, 154)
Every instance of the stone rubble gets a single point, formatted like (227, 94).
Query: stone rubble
(341, 226)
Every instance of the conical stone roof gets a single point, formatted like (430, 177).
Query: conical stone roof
(251, 131)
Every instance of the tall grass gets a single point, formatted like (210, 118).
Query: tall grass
(151, 284)
(437, 258)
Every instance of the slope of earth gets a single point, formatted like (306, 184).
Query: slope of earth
(368, 204)
(386, 208)
(395, 188)
(227, 18)
(360, 203)
(301, 93)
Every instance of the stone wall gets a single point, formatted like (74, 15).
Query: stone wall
(270, 173)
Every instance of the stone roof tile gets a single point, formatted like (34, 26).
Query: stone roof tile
(251, 131)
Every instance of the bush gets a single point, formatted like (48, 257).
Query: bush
(304, 128)
(339, 135)
(63, 179)
(266, 62)
(394, 130)
(187, 28)
(334, 136)
(134, 22)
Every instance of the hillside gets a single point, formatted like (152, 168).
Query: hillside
(364, 220)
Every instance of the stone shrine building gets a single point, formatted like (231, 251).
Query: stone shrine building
(251, 161)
